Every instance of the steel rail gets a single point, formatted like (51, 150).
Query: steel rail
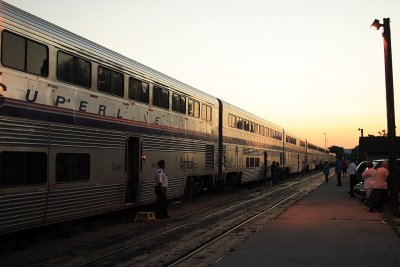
(207, 244)
(114, 252)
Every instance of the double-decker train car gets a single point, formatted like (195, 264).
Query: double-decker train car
(82, 127)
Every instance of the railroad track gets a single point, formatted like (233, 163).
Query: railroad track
(206, 245)
(176, 241)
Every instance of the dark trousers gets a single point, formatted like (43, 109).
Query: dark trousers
(339, 178)
(353, 182)
(326, 176)
(377, 199)
(161, 194)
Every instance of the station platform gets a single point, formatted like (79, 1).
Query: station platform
(326, 228)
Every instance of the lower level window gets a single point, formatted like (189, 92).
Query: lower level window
(22, 168)
(71, 167)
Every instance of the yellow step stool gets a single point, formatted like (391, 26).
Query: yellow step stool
(145, 216)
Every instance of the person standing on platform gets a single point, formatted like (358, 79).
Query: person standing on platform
(352, 169)
(160, 188)
(273, 172)
(345, 165)
(379, 188)
(325, 170)
(368, 177)
(303, 168)
(278, 172)
(338, 171)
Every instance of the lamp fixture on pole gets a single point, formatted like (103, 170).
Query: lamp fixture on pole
(362, 132)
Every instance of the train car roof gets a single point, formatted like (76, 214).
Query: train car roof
(58, 34)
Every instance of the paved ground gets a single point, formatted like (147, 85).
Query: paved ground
(327, 228)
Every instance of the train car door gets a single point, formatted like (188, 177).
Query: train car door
(265, 163)
(298, 163)
(133, 163)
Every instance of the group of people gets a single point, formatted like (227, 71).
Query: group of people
(375, 185)
(343, 167)
(275, 172)
(375, 181)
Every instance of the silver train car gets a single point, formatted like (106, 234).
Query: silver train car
(82, 128)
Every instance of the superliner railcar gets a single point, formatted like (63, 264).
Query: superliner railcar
(82, 127)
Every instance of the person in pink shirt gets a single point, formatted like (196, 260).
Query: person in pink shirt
(379, 188)
(368, 177)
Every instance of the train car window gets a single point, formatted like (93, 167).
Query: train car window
(74, 70)
(109, 81)
(138, 90)
(22, 168)
(23, 54)
(37, 58)
(182, 105)
(209, 113)
(157, 96)
(246, 125)
(82, 72)
(144, 93)
(160, 97)
(117, 83)
(175, 102)
(196, 109)
(190, 107)
(262, 130)
(193, 108)
(252, 163)
(257, 162)
(72, 167)
(206, 112)
(65, 67)
(252, 127)
(234, 121)
(231, 119)
(239, 123)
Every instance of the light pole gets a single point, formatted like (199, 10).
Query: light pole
(391, 123)
(325, 147)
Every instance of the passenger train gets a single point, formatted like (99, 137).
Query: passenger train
(82, 128)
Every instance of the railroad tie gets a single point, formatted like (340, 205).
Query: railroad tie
(145, 216)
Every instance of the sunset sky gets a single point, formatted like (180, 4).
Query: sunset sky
(311, 66)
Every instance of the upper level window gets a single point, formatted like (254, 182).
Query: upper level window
(109, 81)
(193, 108)
(206, 112)
(239, 123)
(291, 140)
(262, 130)
(232, 120)
(22, 168)
(246, 125)
(179, 103)
(138, 90)
(160, 97)
(23, 54)
(72, 69)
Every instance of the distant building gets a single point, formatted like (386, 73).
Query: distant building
(375, 147)
(348, 151)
